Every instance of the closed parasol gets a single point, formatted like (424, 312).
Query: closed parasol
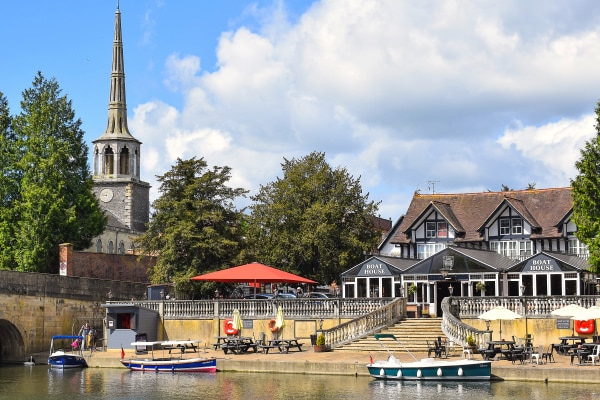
(279, 321)
(237, 321)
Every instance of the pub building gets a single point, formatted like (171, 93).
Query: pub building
(515, 243)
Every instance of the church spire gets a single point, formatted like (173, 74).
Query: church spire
(116, 127)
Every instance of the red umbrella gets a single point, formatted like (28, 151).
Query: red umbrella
(253, 272)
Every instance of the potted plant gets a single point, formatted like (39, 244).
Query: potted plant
(411, 289)
(320, 343)
(480, 287)
(471, 343)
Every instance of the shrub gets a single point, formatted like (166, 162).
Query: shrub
(320, 340)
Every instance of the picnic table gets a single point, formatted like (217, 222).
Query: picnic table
(181, 345)
(238, 344)
(283, 345)
(496, 346)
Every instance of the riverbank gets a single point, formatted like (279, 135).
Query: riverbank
(353, 364)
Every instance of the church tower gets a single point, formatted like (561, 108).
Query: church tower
(123, 196)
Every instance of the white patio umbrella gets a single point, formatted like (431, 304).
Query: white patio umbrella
(568, 311)
(499, 313)
(279, 321)
(237, 321)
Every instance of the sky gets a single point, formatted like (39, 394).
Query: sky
(446, 96)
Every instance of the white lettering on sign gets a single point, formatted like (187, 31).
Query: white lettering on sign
(541, 265)
(373, 269)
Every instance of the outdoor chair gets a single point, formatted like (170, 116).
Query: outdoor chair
(536, 353)
(466, 352)
(548, 355)
(595, 355)
(432, 349)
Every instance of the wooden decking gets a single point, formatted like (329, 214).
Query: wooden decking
(412, 334)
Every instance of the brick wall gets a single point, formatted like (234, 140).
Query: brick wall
(119, 267)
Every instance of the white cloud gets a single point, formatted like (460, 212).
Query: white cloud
(398, 92)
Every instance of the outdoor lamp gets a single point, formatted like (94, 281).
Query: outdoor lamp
(522, 290)
(451, 289)
(487, 325)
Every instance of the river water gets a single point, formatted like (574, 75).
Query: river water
(39, 382)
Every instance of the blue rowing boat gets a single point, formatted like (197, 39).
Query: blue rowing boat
(170, 364)
(429, 368)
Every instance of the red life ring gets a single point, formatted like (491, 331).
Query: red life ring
(585, 327)
(228, 327)
(272, 326)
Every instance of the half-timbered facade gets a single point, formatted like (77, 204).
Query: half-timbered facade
(515, 243)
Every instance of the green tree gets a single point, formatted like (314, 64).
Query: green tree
(315, 221)
(55, 202)
(9, 185)
(195, 226)
(586, 196)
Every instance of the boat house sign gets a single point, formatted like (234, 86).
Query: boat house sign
(541, 266)
(374, 269)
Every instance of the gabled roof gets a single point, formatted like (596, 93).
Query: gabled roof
(394, 265)
(464, 261)
(565, 261)
(390, 233)
(543, 208)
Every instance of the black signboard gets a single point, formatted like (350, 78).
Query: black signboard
(563, 324)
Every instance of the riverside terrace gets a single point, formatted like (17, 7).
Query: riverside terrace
(344, 320)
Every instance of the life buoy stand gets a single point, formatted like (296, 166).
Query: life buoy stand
(273, 326)
(228, 327)
(585, 327)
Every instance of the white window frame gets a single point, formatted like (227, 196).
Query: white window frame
(517, 226)
(515, 249)
(504, 226)
(578, 248)
(426, 250)
(430, 229)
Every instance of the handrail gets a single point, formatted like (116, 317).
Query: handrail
(307, 308)
(456, 330)
(365, 325)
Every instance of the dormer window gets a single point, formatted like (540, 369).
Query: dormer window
(511, 226)
(436, 229)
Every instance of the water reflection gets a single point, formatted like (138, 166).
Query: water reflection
(431, 389)
(39, 382)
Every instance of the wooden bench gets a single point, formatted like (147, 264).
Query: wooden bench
(266, 347)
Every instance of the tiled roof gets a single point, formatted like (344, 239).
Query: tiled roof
(543, 208)
(465, 260)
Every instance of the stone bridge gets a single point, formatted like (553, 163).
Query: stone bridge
(34, 307)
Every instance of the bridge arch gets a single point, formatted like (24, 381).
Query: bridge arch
(12, 347)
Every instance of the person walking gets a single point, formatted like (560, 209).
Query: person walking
(84, 331)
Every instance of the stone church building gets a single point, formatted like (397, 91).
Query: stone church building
(123, 195)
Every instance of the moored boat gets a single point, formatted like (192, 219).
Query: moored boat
(71, 358)
(170, 364)
(428, 368)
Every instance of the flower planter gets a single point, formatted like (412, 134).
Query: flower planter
(318, 348)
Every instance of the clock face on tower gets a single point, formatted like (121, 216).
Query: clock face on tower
(106, 195)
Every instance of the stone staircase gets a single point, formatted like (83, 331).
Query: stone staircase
(411, 335)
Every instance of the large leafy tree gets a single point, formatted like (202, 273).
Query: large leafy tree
(9, 185)
(55, 203)
(314, 221)
(586, 196)
(195, 226)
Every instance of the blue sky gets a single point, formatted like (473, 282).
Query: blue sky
(451, 95)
